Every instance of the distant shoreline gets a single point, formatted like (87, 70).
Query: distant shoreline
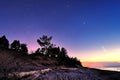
(109, 68)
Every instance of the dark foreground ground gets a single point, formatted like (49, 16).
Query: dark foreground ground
(108, 75)
(64, 74)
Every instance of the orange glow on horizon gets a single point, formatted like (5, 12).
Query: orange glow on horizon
(92, 64)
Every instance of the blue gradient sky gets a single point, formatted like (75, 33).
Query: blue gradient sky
(86, 28)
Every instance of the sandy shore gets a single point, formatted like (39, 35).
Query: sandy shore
(66, 74)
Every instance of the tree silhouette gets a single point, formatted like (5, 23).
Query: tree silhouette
(15, 45)
(55, 52)
(4, 43)
(37, 51)
(74, 62)
(63, 53)
(24, 48)
(45, 43)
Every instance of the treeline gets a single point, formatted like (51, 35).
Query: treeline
(46, 49)
(15, 45)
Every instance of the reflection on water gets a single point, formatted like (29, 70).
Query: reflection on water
(110, 68)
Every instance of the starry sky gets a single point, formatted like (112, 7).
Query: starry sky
(88, 29)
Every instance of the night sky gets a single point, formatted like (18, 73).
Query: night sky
(88, 29)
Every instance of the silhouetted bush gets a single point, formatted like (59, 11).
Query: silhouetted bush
(23, 48)
(63, 53)
(4, 43)
(15, 45)
(37, 51)
(53, 52)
